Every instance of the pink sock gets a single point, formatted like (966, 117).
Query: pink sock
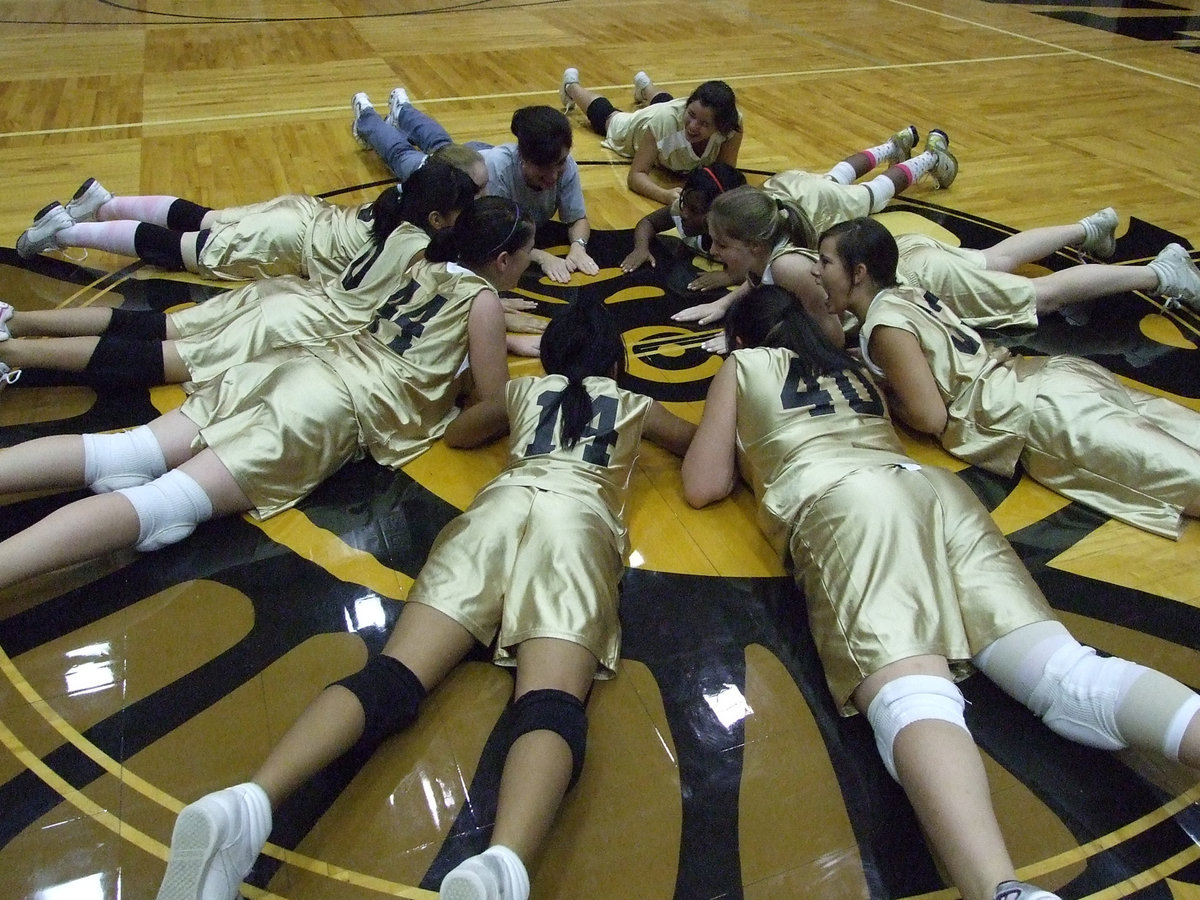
(113, 237)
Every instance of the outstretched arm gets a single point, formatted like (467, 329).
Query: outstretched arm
(643, 233)
(710, 466)
(667, 430)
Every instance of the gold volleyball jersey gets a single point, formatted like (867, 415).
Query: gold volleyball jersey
(285, 421)
(664, 123)
(596, 471)
(242, 324)
(960, 277)
(1071, 424)
(540, 550)
(797, 434)
(895, 559)
(404, 375)
(783, 249)
(825, 201)
(290, 235)
(988, 392)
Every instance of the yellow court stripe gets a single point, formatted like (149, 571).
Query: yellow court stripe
(143, 787)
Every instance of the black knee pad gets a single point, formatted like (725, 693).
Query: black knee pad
(390, 695)
(184, 215)
(597, 114)
(143, 324)
(121, 362)
(158, 246)
(557, 711)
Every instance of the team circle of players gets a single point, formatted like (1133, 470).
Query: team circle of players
(352, 331)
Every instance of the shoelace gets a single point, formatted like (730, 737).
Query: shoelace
(11, 376)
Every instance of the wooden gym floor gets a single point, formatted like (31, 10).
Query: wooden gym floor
(716, 766)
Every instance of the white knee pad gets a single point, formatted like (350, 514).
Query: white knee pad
(121, 460)
(908, 699)
(168, 509)
(1080, 693)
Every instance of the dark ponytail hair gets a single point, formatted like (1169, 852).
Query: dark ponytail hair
(543, 133)
(434, 187)
(581, 340)
(708, 182)
(769, 316)
(487, 227)
(719, 97)
(753, 216)
(866, 242)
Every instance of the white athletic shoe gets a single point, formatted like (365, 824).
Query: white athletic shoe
(902, 143)
(570, 76)
(1099, 233)
(945, 168)
(495, 874)
(6, 313)
(1178, 277)
(396, 99)
(642, 88)
(40, 236)
(87, 200)
(214, 844)
(1019, 890)
(358, 103)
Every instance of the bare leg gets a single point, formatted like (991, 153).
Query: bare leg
(1078, 283)
(72, 354)
(90, 321)
(61, 354)
(538, 767)
(429, 642)
(582, 96)
(1028, 246)
(939, 767)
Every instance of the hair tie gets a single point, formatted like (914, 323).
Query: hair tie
(516, 222)
(716, 180)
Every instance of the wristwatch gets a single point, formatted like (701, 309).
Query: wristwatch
(582, 242)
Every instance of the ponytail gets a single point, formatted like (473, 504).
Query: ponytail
(434, 187)
(581, 341)
(752, 216)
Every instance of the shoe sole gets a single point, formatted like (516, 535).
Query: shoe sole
(193, 848)
(462, 886)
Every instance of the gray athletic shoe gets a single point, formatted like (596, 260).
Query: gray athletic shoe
(87, 201)
(902, 143)
(1019, 890)
(945, 168)
(396, 99)
(570, 76)
(40, 236)
(359, 103)
(1178, 277)
(1099, 233)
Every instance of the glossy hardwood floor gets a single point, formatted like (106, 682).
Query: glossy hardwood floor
(716, 765)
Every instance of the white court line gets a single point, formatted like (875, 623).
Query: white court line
(1025, 37)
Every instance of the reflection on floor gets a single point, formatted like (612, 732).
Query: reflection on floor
(717, 765)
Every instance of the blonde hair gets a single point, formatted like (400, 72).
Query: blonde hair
(750, 215)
